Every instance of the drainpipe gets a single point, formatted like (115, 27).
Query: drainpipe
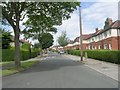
(118, 38)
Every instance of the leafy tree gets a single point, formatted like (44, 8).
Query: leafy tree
(46, 40)
(36, 45)
(50, 14)
(63, 40)
(6, 39)
(13, 13)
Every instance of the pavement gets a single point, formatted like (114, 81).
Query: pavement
(59, 71)
(106, 68)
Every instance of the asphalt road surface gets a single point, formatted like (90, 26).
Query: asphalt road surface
(57, 71)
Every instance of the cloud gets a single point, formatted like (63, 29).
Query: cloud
(71, 26)
(93, 16)
(96, 14)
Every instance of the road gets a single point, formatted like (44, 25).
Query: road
(57, 71)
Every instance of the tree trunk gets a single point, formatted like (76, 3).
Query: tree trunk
(17, 56)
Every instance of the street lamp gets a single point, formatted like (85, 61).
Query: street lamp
(81, 39)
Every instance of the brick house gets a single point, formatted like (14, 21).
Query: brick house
(106, 38)
(69, 45)
(85, 41)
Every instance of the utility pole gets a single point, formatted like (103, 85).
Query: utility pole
(81, 39)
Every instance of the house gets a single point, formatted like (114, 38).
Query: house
(85, 41)
(106, 38)
(56, 47)
(21, 41)
(69, 45)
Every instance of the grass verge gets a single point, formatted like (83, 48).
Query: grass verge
(5, 63)
(24, 65)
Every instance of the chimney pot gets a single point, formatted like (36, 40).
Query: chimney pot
(97, 30)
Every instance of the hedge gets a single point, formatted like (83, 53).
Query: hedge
(103, 55)
(8, 54)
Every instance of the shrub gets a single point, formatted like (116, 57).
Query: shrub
(26, 46)
(8, 54)
(103, 55)
(6, 39)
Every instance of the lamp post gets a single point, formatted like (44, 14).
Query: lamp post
(81, 39)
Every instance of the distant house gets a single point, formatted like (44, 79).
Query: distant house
(21, 41)
(106, 38)
(85, 41)
(69, 45)
(55, 47)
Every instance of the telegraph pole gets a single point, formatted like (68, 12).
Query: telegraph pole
(80, 39)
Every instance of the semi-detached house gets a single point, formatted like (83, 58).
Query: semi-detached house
(106, 38)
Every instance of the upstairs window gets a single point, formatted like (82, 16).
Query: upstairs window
(105, 34)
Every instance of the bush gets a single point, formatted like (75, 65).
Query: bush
(8, 54)
(103, 55)
(26, 46)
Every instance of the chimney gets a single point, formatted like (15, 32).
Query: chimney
(110, 21)
(96, 30)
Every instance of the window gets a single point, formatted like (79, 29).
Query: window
(109, 32)
(96, 38)
(99, 37)
(118, 32)
(105, 34)
(95, 47)
(105, 46)
(89, 40)
(99, 47)
(110, 47)
(92, 39)
(89, 47)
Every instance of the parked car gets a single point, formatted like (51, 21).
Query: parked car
(61, 52)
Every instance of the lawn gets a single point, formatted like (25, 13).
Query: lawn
(24, 65)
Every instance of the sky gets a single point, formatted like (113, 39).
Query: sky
(94, 15)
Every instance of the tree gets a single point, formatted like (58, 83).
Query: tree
(46, 40)
(13, 13)
(42, 21)
(63, 40)
(52, 14)
(6, 39)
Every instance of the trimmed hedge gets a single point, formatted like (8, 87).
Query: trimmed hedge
(8, 54)
(103, 55)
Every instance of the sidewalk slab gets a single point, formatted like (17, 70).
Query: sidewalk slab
(106, 68)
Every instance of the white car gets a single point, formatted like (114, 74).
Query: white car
(61, 52)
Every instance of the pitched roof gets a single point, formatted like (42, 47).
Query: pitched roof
(84, 36)
(116, 24)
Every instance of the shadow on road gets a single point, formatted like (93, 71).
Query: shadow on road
(53, 62)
